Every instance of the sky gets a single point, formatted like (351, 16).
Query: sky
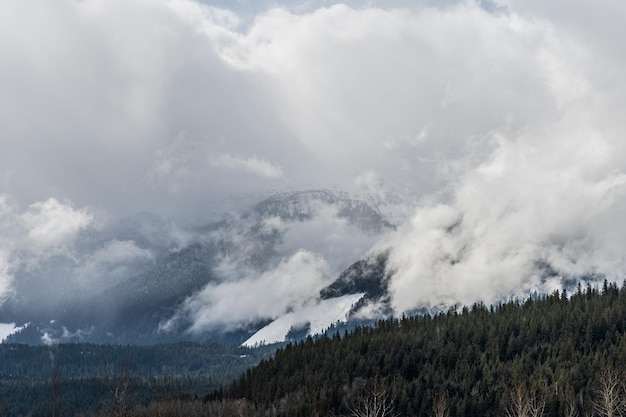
(501, 122)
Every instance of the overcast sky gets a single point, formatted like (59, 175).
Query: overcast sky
(506, 117)
(163, 105)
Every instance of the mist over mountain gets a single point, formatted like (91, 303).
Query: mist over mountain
(291, 265)
(481, 144)
(202, 284)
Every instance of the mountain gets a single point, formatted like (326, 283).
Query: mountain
(144, 273)
(361, 285)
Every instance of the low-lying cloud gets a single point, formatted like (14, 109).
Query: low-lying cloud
(43, 231)
(270, 266)
(53, 253)
(254, 297)
(532, 203)
(50, 224)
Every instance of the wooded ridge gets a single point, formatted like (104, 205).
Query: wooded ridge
(554, 351)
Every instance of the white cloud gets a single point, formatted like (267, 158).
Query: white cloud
(252, 165)
(5, 276)
(332, 237)
(537, 200)
(109, 264)
(51, 223)
(27, 238)
(295, 282)
(294, 96)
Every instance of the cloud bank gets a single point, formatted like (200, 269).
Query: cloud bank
(504, 117)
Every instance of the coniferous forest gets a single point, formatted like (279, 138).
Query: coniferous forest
(88, 379)
(552, 355)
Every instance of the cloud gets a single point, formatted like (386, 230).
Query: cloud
(385, 73)
(111, 263)
(269, 265)
(164, 102)
(51, 223)
(179, 165)
(93, 101)
(5, 276)
(330, 236)
(44, 230)
(538, 200)
(52, 252)
(254, 297)
(252, 165)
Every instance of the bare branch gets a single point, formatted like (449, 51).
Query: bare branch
(518, 405)
(119, 384)
(571, 410)
(608, 398)
(524, 405)
(376, 405)
(440, 407)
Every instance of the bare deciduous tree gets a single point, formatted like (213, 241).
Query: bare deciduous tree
(571, 409)
(376, 405)
(536, 407)
(440, 407)
(119, 382)
(524, 405)
(56, 393)
(608, 399)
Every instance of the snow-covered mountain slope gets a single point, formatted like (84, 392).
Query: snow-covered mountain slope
(357, 292)
(310, 320)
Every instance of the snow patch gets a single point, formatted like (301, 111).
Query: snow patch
(7, 329)
(319, 316)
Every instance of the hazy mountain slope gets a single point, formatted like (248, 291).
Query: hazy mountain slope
(149, 304)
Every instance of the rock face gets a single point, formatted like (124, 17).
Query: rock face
(133, 308)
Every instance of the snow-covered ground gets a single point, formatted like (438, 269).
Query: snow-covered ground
(320, 316)
(7, 329)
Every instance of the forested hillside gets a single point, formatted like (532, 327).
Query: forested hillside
(547, 355)
(88, 379)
